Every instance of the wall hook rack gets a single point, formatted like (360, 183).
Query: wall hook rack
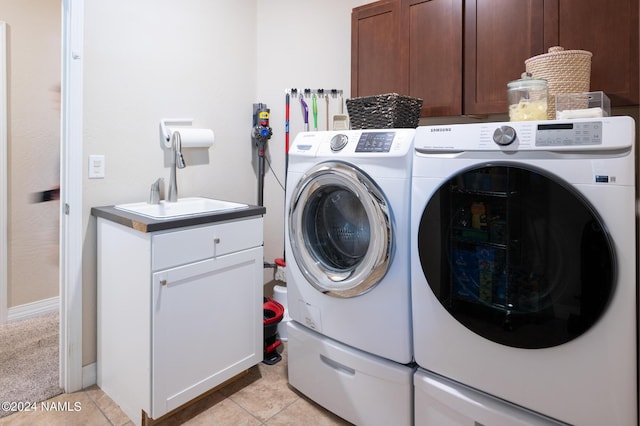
(294, 92)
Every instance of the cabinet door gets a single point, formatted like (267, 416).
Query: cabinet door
(378, 59)
(499, 36)
(608, 29)
(206, 326)
(434, 30)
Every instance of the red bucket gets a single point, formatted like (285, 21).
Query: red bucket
(273, 312)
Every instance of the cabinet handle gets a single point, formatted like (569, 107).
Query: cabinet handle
(216, 241)
(338, 366)
(163, 282)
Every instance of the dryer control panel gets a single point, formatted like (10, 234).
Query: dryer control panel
(375, 142)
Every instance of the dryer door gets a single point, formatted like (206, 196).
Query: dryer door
(340, 229)
(517, 255)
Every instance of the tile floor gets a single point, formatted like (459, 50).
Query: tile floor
(262, 397)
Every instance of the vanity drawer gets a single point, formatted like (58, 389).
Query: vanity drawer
(180, 247)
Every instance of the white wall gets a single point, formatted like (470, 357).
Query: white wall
(301, 44)
(210, 60)
(149, 59)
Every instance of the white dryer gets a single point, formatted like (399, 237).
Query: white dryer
(347, 251)
(523, 262)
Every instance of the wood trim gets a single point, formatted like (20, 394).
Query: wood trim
(634, 63)
(148, 421)
(551, 16)
(373, 9)
(354, 53)
(469, 55)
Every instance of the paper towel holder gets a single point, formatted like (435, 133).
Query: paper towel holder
(165, 134)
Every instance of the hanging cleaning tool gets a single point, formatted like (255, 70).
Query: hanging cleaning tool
(305, 113)
(326, 111)
(287, 100)
(260, 134)
(340, 121)
(314, 106)
(286, 127)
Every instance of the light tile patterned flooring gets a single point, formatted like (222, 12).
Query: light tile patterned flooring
(262, 397)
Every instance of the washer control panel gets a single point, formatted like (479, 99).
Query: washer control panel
(375, 142)
(569, 134)
(361, 143)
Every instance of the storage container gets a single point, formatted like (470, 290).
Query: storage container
(582, 105)
(527, 99)
(566, 71)
(386, 111)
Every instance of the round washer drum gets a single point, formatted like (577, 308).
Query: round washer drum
(340, 229)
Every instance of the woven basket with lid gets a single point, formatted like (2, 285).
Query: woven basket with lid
(566, 71)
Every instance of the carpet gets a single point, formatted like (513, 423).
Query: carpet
(29, 360)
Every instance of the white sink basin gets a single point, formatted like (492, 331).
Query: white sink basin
(183, 207)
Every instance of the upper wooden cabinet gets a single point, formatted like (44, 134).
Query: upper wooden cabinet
(433, 32)
(608, 29)
(378, 57)
(499, 36)
(459, 56)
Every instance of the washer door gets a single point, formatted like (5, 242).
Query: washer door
(517, 256)
(340, 229)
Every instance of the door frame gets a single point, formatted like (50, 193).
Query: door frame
(71, 213)
(4, 276)
(70, 280)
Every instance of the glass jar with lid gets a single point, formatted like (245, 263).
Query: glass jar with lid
(527, 98)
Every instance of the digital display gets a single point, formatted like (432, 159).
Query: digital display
(569, 134)
(375, 142)
(563, 126)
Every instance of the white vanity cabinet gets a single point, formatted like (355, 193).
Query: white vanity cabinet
(179, 311)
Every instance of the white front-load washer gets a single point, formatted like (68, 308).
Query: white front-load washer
(523, 259)
(347, 251)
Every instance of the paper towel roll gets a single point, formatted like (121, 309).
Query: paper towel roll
(194, 138)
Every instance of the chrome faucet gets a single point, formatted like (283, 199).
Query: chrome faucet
(176, 161)
(157, 189)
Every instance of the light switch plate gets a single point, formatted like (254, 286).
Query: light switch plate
(96, 166)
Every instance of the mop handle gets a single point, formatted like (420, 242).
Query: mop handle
(305, 113)
(314, 105)
(286, 124)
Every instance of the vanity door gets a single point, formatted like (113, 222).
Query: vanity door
(206, 326)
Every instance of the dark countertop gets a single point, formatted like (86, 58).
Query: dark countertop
(147, 224)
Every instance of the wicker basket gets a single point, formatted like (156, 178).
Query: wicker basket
(566, 71)
(387, 111)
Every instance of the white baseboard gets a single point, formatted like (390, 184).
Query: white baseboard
(89, 375)
(33, 309)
